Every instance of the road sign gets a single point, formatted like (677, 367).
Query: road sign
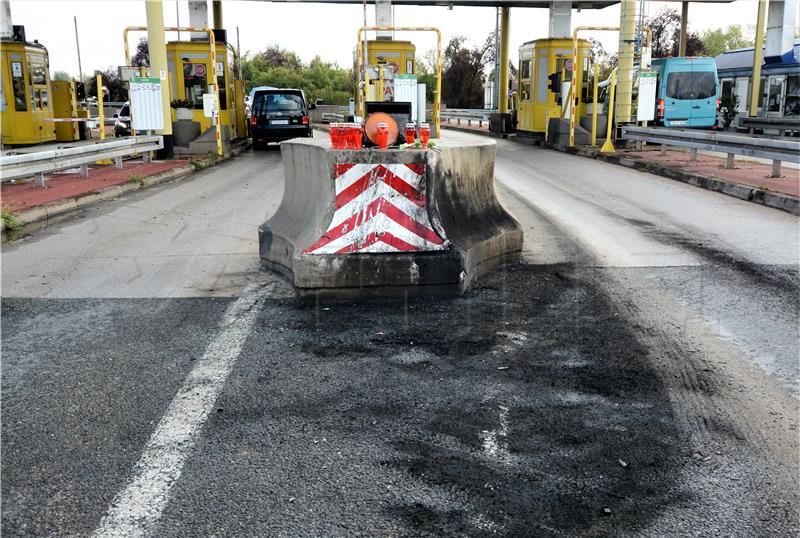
(146, 106)
(568, 64)
(648, 82)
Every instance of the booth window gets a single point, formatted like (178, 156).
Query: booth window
(525, 69)
(525, 91)
(18, 87)
(194, 83)
(221, 85)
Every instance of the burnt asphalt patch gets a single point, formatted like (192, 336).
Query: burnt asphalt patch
(85, 381)
(525, 407)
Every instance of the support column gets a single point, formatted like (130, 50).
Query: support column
(758, 58)
(158, 65)
(198, 18)
(383, 17)
(780, 29)
(503, 82)
(6, 26)
(627, 48)
(216, 7)
(684, 28)
(560, 19)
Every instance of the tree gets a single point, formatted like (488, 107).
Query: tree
(61, 75)
(464, 73)
(694, 44)
(142, 56)
(117, 88)
(663, 27)
(731, 38)
(281, 68)
(605, 62)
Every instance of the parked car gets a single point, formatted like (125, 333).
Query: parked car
(122, 125)
(688, 91)
(277, 115)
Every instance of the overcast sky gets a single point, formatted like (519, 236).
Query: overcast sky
(308, 29)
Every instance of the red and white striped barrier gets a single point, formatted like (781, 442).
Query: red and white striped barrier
(379, 208)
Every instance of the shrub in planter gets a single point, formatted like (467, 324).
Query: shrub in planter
(183, 109)
(728, 106)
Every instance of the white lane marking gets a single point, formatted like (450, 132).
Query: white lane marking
(495, 442)
(137, 508)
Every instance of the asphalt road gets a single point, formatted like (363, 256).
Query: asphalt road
(637, 375)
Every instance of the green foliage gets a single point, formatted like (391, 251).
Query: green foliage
(142, 56)
(117, 88)
(728, 105)
(284, 69)
(10, 220)
(464, 72)
(61, 75)
(139, 180)
(731, 38)
(180, 103)
(199, 165)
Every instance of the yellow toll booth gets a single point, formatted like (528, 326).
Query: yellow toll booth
(190, 74)
(65, 106)
(26, 107)
(545, 65)
(385, 60)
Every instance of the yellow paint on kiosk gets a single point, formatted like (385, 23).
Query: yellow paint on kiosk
(26, 109)
(190, 72)
(538, 60)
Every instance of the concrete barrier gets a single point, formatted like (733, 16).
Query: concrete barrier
(388, 222)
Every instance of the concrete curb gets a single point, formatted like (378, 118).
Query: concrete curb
(775, 200)
(41, 215)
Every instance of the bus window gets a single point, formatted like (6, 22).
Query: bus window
(18, 87)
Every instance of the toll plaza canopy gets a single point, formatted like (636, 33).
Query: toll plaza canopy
(578, 4)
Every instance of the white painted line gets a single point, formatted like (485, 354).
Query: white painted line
(137, 508)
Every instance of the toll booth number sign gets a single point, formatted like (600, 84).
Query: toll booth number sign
(146, 108)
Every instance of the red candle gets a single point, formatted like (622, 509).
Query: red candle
(411, 132)
(382, 134)
(424, 134)
(355, 136)
(337, 136)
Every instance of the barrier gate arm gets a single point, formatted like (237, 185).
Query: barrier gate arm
(213, 46)
(576, 91)
(437, 101)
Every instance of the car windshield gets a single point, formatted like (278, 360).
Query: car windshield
(690, 85)
(125, 111)
(278, 102)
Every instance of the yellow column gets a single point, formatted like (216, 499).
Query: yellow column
(758, 57)
(627, 44)
(158, 67)
(503, 82)
(684, 29)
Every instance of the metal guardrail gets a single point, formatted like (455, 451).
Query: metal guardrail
(777, 149)
(470, 115)
(780, 124)
(39, 163)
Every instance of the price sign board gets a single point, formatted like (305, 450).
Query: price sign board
(209, 105)
(648, 83)
(146, 107)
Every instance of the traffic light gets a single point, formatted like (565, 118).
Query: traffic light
(555, 83)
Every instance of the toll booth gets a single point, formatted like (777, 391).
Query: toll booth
(545, 76)
(26, 108)
(65, 106)
(190, 73)
(386, 60)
